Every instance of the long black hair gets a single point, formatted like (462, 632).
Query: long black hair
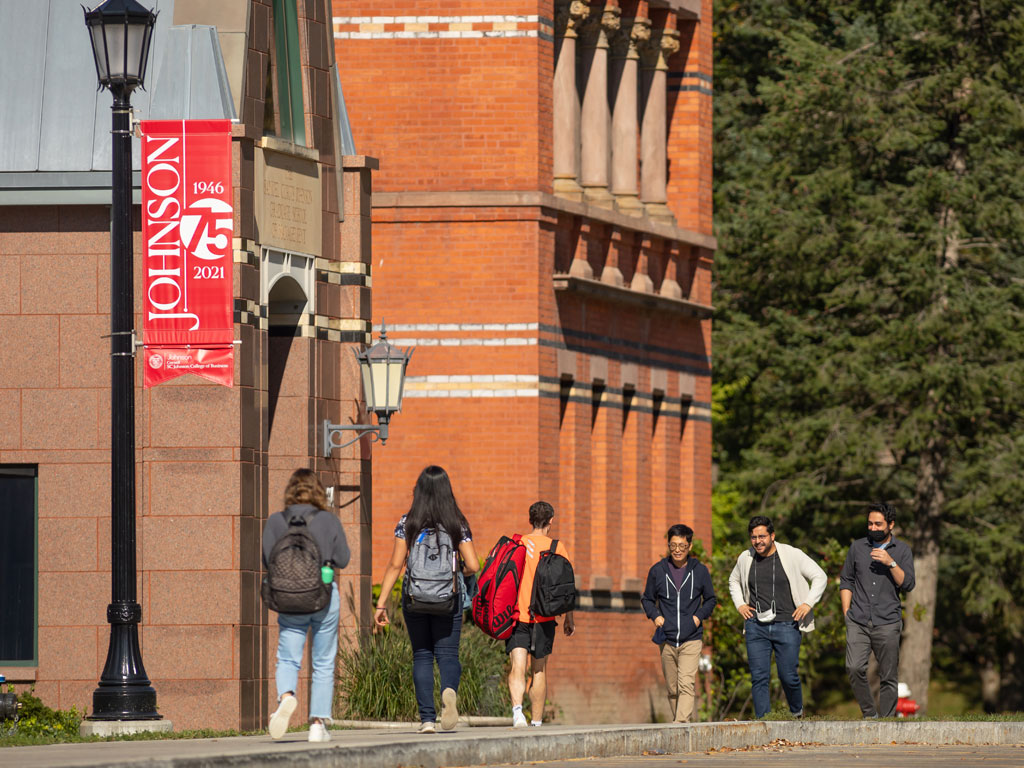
(434, 506)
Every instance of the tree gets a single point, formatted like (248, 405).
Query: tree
(871, 283)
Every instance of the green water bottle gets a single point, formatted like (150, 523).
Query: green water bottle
(327, 573)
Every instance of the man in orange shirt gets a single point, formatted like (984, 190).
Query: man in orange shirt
(533, 635)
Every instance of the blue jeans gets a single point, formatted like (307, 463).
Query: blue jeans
(784, 639)
(433, 637)
(291, 640)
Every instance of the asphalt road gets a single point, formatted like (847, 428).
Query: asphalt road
(865, 756)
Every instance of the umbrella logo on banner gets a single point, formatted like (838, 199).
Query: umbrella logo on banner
(190, 224)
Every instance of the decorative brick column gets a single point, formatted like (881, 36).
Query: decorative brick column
(654, 54)
(566, 129)
(625, 128)
(595, 123)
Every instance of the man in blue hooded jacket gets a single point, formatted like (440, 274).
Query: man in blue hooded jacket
(679, 598)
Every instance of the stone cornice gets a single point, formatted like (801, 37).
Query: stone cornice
(525, 199)
(624, 295)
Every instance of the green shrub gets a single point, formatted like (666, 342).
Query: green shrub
(375, 675)
(37, 723)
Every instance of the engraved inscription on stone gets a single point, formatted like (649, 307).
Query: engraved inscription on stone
(288, 204)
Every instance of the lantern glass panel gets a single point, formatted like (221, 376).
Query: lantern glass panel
(395, 377)
(99, 48)
(136, 40)
(380, 385)
(367, 370)
(115, 36)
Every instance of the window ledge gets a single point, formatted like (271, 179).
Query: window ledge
(589, 287)
(19, 674)
(288, 148)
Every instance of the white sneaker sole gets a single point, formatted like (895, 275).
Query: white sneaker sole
(278, 725)
(321, 736)
(449, 710)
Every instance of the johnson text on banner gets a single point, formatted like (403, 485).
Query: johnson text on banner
(187, 230)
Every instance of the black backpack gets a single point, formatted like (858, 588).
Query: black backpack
(554, 585)
(293, 583)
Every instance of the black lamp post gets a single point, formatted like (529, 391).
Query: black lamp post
(120, 31)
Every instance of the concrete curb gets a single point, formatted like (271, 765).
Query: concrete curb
(493, 746)
(932, 732)
(546, 744)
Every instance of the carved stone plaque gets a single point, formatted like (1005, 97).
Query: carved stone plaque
(288, 205)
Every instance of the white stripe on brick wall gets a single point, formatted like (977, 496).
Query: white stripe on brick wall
(448, 327)
(459, 339)
(449, 341)
(532, 18)
(444, 27)
(488, 385)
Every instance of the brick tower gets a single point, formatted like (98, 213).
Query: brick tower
(542, 234)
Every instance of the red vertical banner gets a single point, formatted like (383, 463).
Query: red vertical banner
(187, 231)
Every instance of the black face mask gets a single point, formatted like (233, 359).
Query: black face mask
(877, 536)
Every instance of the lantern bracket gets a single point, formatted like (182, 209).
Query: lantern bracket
(376, 433)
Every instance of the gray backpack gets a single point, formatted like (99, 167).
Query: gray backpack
(431, 578)
(293, 583)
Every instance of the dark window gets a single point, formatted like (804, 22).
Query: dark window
(284, 115)
(18, 564)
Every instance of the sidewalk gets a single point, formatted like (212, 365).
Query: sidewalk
(386, 748)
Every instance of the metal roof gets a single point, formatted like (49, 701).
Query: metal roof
(54, 123)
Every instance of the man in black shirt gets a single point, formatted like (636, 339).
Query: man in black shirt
(878, 569)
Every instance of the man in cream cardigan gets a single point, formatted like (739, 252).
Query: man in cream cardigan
(774, 587)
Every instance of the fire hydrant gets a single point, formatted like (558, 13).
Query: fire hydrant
(905, 706)
(9, 704)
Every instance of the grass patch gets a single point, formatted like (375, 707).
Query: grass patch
(38, 724)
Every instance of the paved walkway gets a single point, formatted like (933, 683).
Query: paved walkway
(872, 756)
(499, 746)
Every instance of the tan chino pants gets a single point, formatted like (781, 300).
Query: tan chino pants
(680, 668)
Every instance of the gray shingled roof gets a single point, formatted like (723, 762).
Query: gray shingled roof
(55, 126)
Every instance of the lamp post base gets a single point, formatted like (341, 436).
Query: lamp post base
(120, 727)
(126, 703)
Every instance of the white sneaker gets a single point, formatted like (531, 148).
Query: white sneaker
(427, 728)
(318, 733)
(519, 720)
(282, 715)
(535, 724)
(449, 710)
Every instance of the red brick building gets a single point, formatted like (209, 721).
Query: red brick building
(542, 235)
(212, 461)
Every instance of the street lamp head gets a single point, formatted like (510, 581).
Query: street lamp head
(383, 367)
(120, 32)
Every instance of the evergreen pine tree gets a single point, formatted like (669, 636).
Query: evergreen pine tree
(871, 287)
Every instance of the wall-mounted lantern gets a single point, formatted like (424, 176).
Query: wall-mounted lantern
(383, 369)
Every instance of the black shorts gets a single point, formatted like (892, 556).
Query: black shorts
(537, 638)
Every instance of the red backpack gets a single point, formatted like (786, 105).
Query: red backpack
(496, 605)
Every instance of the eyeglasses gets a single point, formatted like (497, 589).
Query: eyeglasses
(760, 538)
(678, 547)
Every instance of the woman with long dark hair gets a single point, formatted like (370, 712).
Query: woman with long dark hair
(434, 636)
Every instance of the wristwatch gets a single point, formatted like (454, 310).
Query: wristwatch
(892, 564)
